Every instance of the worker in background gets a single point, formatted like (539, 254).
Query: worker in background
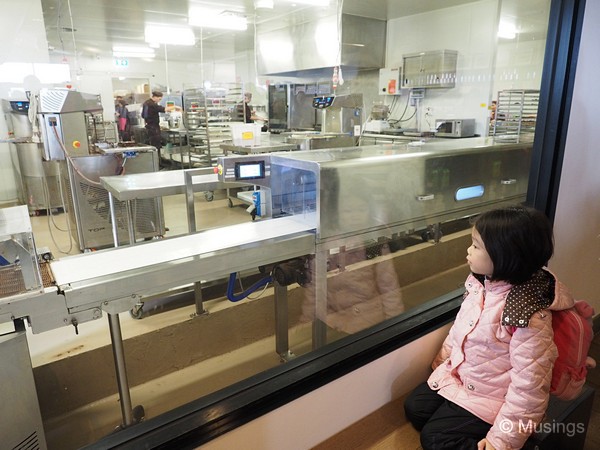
(245, 113)
(122, 119)
(151, 110)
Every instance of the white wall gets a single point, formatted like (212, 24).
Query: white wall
(311, 419)
(486, 64)
(577, 221)
(475, 44)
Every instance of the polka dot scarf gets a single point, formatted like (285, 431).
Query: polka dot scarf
(527, 298)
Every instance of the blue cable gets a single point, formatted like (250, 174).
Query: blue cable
(236, 298)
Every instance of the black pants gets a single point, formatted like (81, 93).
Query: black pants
(154, 136)
(443, 424)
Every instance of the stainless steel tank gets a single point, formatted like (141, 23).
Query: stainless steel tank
(39, 179)
(41, 183)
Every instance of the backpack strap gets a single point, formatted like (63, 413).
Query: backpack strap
(525, 299)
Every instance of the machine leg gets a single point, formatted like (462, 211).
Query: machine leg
(121, 371)
(282, 345)
(198, 299)
(130, 225)
(319, 331)
(189, 203)
(111, 205)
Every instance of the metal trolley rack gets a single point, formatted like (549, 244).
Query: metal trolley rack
(516, 115)
(207, 115)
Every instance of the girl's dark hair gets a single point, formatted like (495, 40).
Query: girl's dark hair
(518, 239)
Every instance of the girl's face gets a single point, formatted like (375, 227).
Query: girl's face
(478, 258)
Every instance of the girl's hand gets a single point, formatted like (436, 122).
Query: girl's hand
(484, 445)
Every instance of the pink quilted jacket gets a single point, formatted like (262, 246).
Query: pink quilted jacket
(499, 373)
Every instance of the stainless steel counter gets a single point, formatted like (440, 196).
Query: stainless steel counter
(159, 184)
(132, 187)
(268, 148)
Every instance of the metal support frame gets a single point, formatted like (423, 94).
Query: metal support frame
(119, 356)
(319, 331)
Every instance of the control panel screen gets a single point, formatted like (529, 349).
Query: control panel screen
(322, 102)
(20, 106)
(249, 170)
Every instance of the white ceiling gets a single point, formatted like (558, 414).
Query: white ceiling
(92, 27)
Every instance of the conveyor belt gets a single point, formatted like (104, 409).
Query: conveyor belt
(158, 265)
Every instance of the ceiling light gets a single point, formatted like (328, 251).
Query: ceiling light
(311, 2)
(164, 34)
(213, 18)
(130, 51)
(263, 4)
(507, 30)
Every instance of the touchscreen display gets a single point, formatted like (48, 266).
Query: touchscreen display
(249, 170)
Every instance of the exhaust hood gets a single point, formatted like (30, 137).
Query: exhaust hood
(306, 47)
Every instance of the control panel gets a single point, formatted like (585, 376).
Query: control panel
(323, 102)
(252, 169)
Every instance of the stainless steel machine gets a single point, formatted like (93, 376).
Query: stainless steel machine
(87, 201)
(359, 197)
(39, 176)
(408, 187)
(19, 278)
(68, 122)
(71, 126)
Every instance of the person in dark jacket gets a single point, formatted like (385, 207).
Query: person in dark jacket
(151, 110)
(122, 119)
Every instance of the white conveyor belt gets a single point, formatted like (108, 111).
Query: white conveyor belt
(110, 262)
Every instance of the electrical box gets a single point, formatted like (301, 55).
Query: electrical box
(389, 81)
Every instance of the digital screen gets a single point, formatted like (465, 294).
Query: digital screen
(470, 192)
(249, 170)
(20, 106)
(322, 102)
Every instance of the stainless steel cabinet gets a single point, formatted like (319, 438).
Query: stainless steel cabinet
(435, 69)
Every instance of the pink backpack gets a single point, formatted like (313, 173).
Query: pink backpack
(573, 335)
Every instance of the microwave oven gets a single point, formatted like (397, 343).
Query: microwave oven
(455, 128)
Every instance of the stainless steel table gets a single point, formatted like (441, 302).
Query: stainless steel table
(157, 184)
(267, 148)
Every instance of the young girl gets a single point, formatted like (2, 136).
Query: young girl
(491, 378)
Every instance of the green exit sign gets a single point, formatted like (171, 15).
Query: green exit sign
(121, 62)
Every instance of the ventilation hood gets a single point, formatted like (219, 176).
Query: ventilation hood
(306, 47)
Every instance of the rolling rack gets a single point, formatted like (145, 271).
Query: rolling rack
(207, 115)
(516, 115)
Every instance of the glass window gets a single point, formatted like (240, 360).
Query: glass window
(401, 133)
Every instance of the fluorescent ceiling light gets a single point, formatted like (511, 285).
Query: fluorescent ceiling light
(264, 4)
(311, 2)
(214, 18)
(507, 30)
(125, 51)
(46, 73)
(164, 34)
